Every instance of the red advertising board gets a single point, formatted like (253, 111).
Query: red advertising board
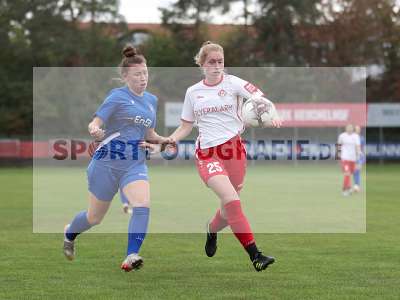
(322, 114)
(293, 115)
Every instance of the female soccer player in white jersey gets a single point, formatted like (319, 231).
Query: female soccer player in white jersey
(349, 143)
(129, 116)
(214, 104)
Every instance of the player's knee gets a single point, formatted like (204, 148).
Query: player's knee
(229, 196)
(140, 203)
(238, 187)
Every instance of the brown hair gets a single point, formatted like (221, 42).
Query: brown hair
(205, 49)
(130, 56)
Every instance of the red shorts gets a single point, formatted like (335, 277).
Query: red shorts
(227, 159)
(348, 166)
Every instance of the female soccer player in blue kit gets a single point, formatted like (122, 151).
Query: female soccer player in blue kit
(129, 116)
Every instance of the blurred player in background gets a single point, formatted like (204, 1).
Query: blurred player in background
(360, 161)
(129, 116)
(349, 147)
(215, 104)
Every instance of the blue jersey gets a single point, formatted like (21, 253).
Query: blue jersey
(126, 117)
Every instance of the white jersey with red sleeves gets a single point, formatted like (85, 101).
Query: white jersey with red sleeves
(216, 109)
(349, 144)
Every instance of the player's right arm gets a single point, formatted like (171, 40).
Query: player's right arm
(339, 146)
(102, 115)
(94, 128)
(187, 120)
(340, 138)
(182, 131)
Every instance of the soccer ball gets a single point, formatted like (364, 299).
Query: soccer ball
(258, 112)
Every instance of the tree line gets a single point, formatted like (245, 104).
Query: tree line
(66, 33)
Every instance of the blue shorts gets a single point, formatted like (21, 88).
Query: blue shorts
(104, 181)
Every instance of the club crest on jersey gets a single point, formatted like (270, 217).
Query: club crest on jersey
(222, 93)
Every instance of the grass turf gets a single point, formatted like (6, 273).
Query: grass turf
(309, 266)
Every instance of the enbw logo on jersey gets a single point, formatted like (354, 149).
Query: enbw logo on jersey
(142, 121)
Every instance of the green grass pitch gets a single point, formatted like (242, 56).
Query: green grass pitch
(309, 266)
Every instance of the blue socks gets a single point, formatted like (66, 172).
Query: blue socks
(357, 177)
(137, 229)
(79, 224)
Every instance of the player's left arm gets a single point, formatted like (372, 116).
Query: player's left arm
(151, 136)
(251, 92)
(154, 138)
(155, 142)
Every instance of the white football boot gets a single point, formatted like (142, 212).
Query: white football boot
(132, 262)
(69, 247)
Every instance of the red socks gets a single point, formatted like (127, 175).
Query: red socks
(236, 220)
(238, 223)
(346, 182)
(218, 222)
